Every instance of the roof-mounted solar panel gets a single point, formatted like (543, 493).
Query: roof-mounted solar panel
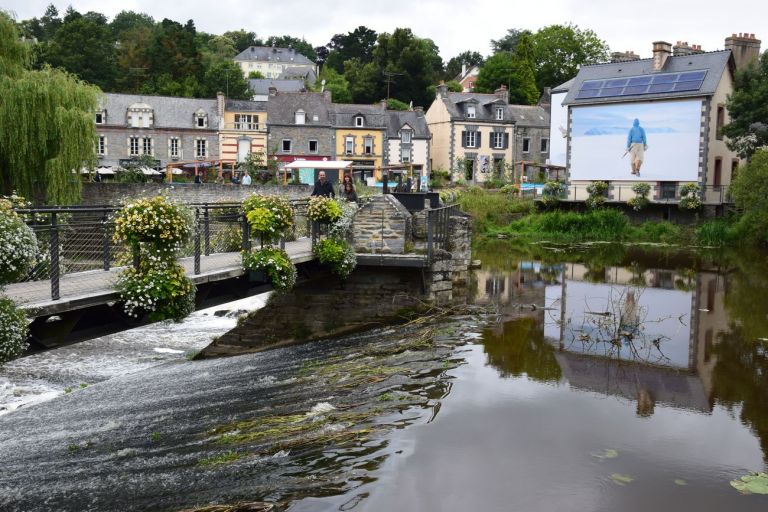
(640, 80)
(692, 76)
(592, 84)
(688, 86)
(642, 84)
(666, 78)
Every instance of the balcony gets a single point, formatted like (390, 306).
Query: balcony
(245, 127)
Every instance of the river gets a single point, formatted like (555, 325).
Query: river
(594, 377)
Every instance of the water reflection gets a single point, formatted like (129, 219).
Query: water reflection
(691, 339)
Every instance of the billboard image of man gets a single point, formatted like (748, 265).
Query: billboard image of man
(636, 146)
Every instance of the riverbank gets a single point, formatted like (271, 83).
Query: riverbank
(499, 215)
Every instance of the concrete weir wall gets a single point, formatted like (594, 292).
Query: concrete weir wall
(117, 193)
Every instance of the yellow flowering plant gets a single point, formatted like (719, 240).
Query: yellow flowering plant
(269, 216)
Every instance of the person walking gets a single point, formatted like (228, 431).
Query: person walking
(323, 187)
(637, 144)
(246, 179)
(348, 189)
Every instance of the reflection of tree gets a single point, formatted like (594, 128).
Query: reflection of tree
(594, 273)
(747, 298)
(521, 349)
(741, 377)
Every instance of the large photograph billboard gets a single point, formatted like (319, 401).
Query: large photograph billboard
(647, 141)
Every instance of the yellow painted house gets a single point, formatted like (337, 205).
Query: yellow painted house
(360, 137)
(242, 130)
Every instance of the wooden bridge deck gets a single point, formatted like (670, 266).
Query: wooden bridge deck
(84, 289)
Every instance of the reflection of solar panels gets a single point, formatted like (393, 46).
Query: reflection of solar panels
(644, 84)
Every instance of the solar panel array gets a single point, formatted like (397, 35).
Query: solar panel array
(643, 84)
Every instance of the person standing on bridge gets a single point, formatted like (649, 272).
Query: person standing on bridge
(323, 187)
(348, 189)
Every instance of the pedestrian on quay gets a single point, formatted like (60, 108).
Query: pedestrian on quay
(323, 187)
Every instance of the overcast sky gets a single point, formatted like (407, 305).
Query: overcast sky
(454, 25)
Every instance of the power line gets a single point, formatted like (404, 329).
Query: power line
(389, 80)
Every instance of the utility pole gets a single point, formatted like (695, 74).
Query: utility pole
(389, 79)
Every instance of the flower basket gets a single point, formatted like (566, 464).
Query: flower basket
(323, 209)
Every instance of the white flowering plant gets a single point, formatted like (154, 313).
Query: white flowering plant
(13, 330)
(323, 209)
(153, 224)
(343, 226)
(269, 216)
(337, 254)
(690, 198)
(161, 290)
(18, 245)
(275, 263)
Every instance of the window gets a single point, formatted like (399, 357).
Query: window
(133, 146)
(101, 147)
(201, 119)
(718, 172)
(349, 145)
(668, 190)
(315, 118)
(544, 145)
(146, 145)
(470, 111)
(405, 155)
(246, 122)
(405, 136)
(368, 145)
(720, 121)
(526, 145)
(201, 148)
(498, 165)
(201, 122)
(286, 148)
(300, 117)
(471, 139)
(471, 86)
(140, 115)
(100, 117)
(173, 147)
(313, 146)
(499, 113)
(497, 140)
(359, 121)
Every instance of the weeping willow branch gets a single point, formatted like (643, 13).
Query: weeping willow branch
(47, 133)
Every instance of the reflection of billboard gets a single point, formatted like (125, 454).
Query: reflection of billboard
(656, 321)
(558, 130)
(660, 140)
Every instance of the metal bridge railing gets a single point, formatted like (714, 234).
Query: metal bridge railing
(438, 228)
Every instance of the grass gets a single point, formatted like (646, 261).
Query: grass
(493, 209)
(222, 458)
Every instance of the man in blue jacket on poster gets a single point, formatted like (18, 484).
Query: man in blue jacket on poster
(636, 146)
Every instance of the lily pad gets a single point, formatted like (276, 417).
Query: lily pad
(608, 453)
(753, 483)
(680, 481)
(621, 479)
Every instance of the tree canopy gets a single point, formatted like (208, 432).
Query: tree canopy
(467, 58)
(357, 44)
(47, 118)
(748, 109)
(514, 70)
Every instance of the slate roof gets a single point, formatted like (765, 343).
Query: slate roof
(344, 115)
(716, 63)
(246, 106)
(564, 87)
(282, 107)
(416, 120)
(485, 110)
(299, 73)
(168, 111)
(272, 54)
(260, 86)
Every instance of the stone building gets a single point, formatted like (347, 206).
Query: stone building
(475, 136)
(360, 132)
(167, 128)
(300, 127)
(408, 139)
(274, 62)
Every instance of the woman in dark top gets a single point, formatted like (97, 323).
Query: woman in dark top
(348, 189)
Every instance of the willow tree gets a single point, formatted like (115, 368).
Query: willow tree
(48, 132)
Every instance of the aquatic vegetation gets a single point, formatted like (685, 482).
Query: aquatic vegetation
(621, 479)
(753, 483)
(608, 453)
(222, 458)
(680, 481)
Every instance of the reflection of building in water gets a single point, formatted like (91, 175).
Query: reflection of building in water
(618, 337)
(523, 285)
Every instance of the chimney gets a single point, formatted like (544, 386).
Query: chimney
(546, 98)
(272, 91)
(221, 102)
(502, 93)
(441, 90)
(383, 105)
(624, 56)
(745, 49)
(419, 111)
(683, 48)
(463, 69)
(661, 52)
(327, 94)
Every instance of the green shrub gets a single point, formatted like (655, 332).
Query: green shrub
(640, 200)
(491, 209)
(161, 289)
(552, 193)
(337, 254)
(270, 217)
(660, 232)
(717, 233)
(690, 198)
(510, 188)
(605, 224)
(596, 191)
(275, 263)
(13, 330)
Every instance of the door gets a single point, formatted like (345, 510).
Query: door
(243, 149)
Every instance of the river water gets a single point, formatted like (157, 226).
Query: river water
(583, 378)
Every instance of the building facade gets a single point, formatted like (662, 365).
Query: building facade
(657, 121)
(360, 132)
(408, 139)
(274, 62)
(166, 128)
(300, 128)
(242, 129)
(475, 138)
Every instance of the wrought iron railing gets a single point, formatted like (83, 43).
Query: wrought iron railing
(438, 228)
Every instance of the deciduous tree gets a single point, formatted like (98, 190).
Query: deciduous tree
(468, 59)
(748, 109)
(559, 50)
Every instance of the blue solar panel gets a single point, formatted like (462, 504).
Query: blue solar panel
(643, 84)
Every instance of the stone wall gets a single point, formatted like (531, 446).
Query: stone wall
(382, 226)
(448, 276)
(117, 193)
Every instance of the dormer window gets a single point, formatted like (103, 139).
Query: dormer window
(101, 117)
(405, 136)
(470, 111)
(499, 113)
(140, 115)
(201, 119)
(300, 117)
(359, 121)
